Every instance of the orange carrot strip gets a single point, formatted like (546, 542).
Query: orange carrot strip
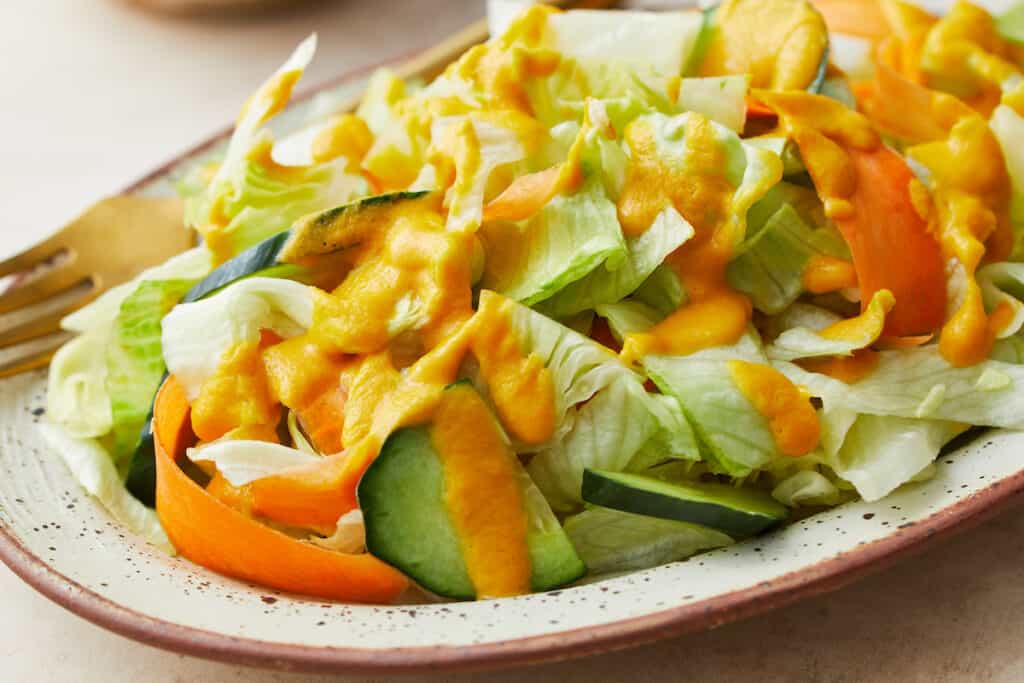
(213, 535)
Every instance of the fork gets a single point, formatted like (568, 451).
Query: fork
(120, 236)
(109, 244)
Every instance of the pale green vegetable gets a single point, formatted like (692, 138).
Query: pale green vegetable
(243, 461)
(723, 99)
(92, 467)
(135, 364)
(880, 454)
(770, 270)
(605, 285)
(806, 488)
(612, 541)
(196, 335)
(606, 433)
(919, 383)
(628, 317)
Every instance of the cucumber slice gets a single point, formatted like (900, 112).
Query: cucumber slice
(401, 496)
(343, 226)
(737, 512)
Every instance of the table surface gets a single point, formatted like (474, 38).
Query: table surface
(95, 92)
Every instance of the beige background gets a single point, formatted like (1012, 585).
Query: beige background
(93, 92)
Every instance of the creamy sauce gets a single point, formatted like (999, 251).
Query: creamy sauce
(482, 494)
(866, 328)
(792, 419)
(780, 43)
(824, 274)
(236, 395)
(345, 135)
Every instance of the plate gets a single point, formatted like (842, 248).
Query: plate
(61, 542)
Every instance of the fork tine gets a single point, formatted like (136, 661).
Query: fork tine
(47, 285)
(30, 355)
(31, 257)
(47, 324)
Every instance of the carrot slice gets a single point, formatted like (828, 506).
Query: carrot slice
(324, 419)
(525, 196)
(863, 18)
(215, 536)
(891, 245)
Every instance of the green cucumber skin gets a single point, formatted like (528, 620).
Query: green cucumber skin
(607, 492)
(256, 258)
(401, 496)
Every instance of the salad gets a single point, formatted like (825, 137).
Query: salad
(615, 288)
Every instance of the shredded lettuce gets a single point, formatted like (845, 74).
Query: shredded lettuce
(803, 342)
(733, 433)
(1008, 127)
(613, 541)
(606, 285)
(607, 432)
(196, 335)
(135, 365)
(1002, 284)
(77, 396)
(243, 461)
(628, 317)
(770, 270)
(919, 383)
(92, 467)
(723, 99)
(250, 198)
(881, 453)
(663, 291)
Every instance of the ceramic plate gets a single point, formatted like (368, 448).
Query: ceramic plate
(62, 543)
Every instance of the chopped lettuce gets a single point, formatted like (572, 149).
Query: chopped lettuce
(806, 488)
(1002, 284)
(658, 42)
(663, 291)
(568, 239)
(733, 433)
(770, 269)
(1008, 127)
(605, 285)
(249, 197)
(613, 541)
(196, 335)
(723, 99)
(92, 467)
(135, 365)
(243, 461)
(674, 438)
(881, 453)
(803, 342)
(919, 383)
(628, 317)
(580, 367)
(76, 395)
(607, 432)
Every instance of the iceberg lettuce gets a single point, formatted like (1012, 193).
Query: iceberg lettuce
(613, 541)
(196, 335)
(243, 461)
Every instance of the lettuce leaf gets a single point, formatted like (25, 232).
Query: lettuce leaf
(1008, 127)
(723, 99)
(135, 365)
(881, 453)
(243, 461)
(770, 269)
(607, 432)
(804, 342)
(614, 541)
(249, 197)
(662, 291)
(735, 436)
(76, 394)
(919, 383)
(568, 239)
(628, 317)
(674, 438)
(196, 335)
(1002, 284)
(92, 467)
(806, 488)
(605, 285)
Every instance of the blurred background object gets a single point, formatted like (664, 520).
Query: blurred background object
(206, 6)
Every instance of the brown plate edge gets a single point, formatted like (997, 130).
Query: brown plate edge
(816, 579)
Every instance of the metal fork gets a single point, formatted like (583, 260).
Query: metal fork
(109, 244)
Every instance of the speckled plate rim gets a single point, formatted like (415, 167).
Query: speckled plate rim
(821, 577)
